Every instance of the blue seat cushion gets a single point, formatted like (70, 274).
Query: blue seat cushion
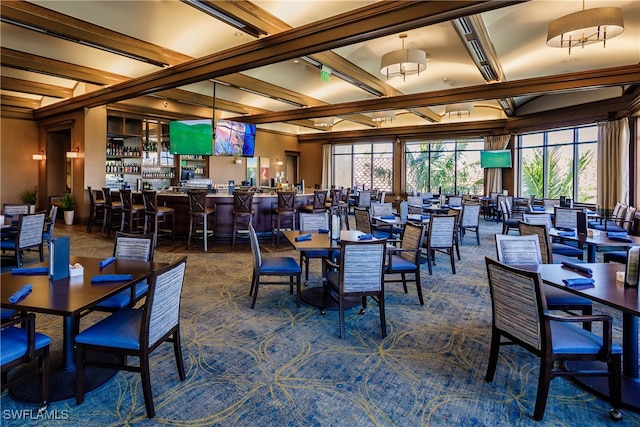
(559, 297)
(121, 330)
(562, 249)
(6, 313)
(616, 256)
(8, 244)
(123, 299)
(512, 223)
(319, 253)
(14, 343)
(280, 265)
(609, 226)
(572, 339)
(400, 265)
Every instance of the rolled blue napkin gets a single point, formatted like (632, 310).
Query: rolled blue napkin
(577, 267)
(323, 230)
(303, 237)
(106, 261)
(564, 228)
(621, 239)
(387, 217)
(365, 237)
(9, 215)
(21, 293)
(537, 208)
(30, 271)
(111, 278)
(611, 234)
(425, 216)
(579, 283)
(567, 233)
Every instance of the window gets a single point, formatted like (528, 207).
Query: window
(453, 166)
(559, 162)
(370, 165)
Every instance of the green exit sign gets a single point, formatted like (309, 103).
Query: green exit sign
(325, 73)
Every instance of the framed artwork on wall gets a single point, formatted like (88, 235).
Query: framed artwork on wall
(252, 170)
(264, 171)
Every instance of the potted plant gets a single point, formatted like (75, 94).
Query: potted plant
(30, 197)
(68, 205)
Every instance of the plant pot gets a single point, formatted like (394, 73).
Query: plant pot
(68, 217)
(32, 209)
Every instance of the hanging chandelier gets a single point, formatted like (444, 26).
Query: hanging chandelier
(383, 116)
(585, 27)
(403, 62)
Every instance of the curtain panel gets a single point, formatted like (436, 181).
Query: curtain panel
(613, 163)
(327, 166)
(493, 176)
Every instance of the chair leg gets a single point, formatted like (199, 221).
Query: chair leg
(233, 236)
(146, 384)
(44, 378)
(493, 356)
(177, 348)
(383, 321)
(79, 374)
(453, 261)
(404, 282)
(190, 233)
(543, 389)
(341, 315)
(419, 287)
(478, 235)
(298, 290)
(255, 289)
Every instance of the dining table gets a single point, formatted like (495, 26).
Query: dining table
(70, 298)
(612, 293)
(319, 241)
(596, 240)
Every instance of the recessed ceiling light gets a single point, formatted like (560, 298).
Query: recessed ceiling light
(238, 34)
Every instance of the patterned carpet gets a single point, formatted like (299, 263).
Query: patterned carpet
(277, 365)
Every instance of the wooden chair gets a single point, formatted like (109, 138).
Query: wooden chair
(28, 236)
(346, 278)
(199, 215)
(158, 218)
(440, 239)
(49, 225)
(520, 316)
(560, 250)
(137, 332)
(405, 259)
(132, 213)
(318, 205)
(242, 212)
(509, 218)
(113, 212)
(283, 213)
(96, 210)
(272, 267)
(21, 346)
(470, 220)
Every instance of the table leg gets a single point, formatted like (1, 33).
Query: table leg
(630, 346)
(69, 333)
(591, 253)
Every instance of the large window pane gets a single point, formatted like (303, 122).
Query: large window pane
(587, 172)
(560, 164)
(368, 165)
(532, 180)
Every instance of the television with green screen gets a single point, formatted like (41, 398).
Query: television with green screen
(194, 137)
(495, 159)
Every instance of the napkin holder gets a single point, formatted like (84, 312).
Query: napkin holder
(632, 272)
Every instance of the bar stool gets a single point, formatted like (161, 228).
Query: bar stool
(319, 199)
(242, 211)
(132, 213)
(285, 211)
(112, 211)
(96, 210)
(199, 214)
(159, 215)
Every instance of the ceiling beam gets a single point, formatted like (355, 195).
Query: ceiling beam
(18, 101)
(559, 83)
(34, 88)
(373, 21)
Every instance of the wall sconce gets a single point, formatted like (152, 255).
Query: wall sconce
(279, 162)
(73, 154)
(39, 155)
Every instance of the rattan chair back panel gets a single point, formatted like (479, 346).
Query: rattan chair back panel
(134, 246)
(381, 209)
(314, 222)
(363, 221)
(411, 239)
(359, 257)
(441, 229)
(544, 239)
(542, 218)
(518, 250)
(30, 230)
(566, 217)
(470, 215)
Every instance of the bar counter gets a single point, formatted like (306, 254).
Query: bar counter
(262, 204)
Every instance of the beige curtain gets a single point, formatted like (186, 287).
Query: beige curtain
(327, 166)
(493, 176)
(613, 163)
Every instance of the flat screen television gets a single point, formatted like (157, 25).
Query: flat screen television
(194, 137)
(235, 139)
(187, 174)
(495, 159)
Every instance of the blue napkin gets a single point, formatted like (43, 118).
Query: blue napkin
(425, 216)
(365, 237)
(323, 230)
(303, 237)
(621, 239)
(111, 278)
(32, 271)
(387, 217)
(537, 208)
(105, 262)
(577, 267)
(567, 233)
(579, 283)
(611, 234)
(21, 293)
(564, 228)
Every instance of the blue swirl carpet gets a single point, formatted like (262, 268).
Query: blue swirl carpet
(277, 365)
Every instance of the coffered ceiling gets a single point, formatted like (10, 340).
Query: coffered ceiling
(265, 59)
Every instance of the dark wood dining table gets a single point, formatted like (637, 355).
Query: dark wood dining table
(613, 294)
(70, 297)
(597, 240)
(319, 242)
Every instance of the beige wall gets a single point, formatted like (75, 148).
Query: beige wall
(18, 171)
(311, 164)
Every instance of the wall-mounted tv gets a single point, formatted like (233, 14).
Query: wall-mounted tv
(495, 159)
(191, 137)
(235, 139)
